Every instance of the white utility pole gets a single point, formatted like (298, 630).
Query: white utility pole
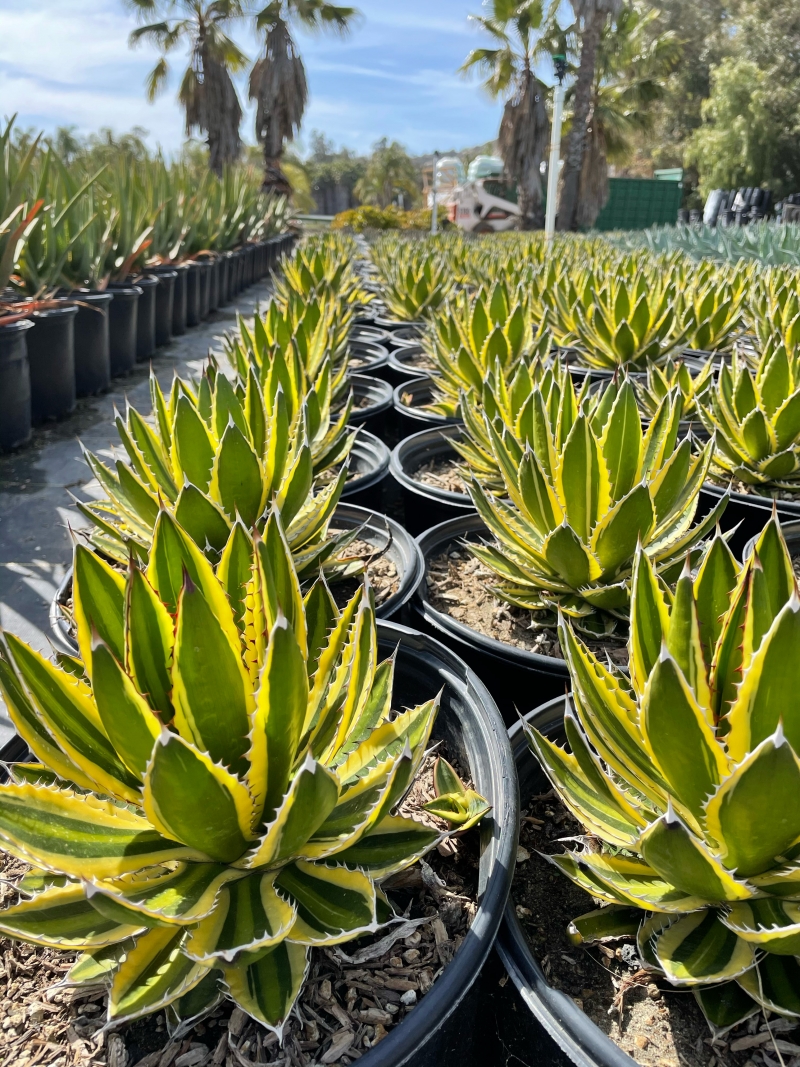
(555, 150)
(434, 212)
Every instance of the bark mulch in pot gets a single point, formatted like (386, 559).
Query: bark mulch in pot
(656, 1025)
(381, 571)
(355, 993)
(441, 474)
(459, 586)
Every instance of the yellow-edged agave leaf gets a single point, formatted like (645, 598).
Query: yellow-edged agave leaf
(80, 834)
(587, 879)
(774, 984)
(128, 720)
(773, 925)
(649, 620)
(414, 726)
(684, 642)
(311, 797)
(237, 479)
(35, 881)
(249, 915)
(604, 924)
(391, 845)
(65, 705)
(181, 780)
(149, 642)
(751, 814)
(153, 973)
(193, 1006)
(267, 987)
(235, 569)
(636, 882)
(698, 949)
(333, 904)
(715, 581)
(670, 847)
(64, 918)
(92, 968)
(98, 598)
(725, 1005)
(181, 894)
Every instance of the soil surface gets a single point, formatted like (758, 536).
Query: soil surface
(656, 1025)
(441, 474)
(381, 571)
(355, 993)
(420, 361)
(754, 490)
(459, 586)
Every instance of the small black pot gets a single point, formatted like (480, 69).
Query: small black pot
(213, 289)
(393, 325)
(378, 414)
(224, 278)
(194, 299)
(206, 267)
(409, 399)
(392, 540)
(92, 342)
(122, 327)
(512, 674)
(407, 364)
(558, 1032)
(367, 333)
(51, 358)
(180, 302)
(165, 304)
(408, 335)
(747, 511)
(15, 385)
(368, 357)
(146, 318)
(425, 505)
(369, 465)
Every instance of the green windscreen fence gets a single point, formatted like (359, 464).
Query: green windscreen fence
(636, 203)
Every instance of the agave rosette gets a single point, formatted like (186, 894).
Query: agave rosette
(687, 775)
(589, 486)
(415, 279)
(225, 453)
(691, 381)
(213, 784)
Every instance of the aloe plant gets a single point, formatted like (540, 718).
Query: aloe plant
(221, 457)
(756, 418)
(211, 795)
(686, 774)
(588, 487)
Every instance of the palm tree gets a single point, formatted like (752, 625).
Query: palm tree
(278, 79)
(207, 92)
(590, 16)
(633, 62)
(389, 174)
(517, 29)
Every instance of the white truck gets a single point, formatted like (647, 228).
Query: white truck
(480, 200)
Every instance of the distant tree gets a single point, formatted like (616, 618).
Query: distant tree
(278, 79)
(390, 172)
(207, 93)
(517, 30)
(67, 143)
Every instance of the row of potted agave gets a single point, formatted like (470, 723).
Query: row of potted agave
(227, 510)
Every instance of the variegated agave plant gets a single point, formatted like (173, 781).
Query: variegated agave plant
(225, 453)
(213, 796)
(588, 487)
(687, 773)
(490, 330)
(756, 416)
(415, 279)
(692, 382)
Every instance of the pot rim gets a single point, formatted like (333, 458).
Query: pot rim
(432, 438)
(416, 386)
(438, 537)
(762, 503)
(570, 1027)
(377, 455)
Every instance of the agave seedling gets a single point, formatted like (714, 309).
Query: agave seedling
(587, 489)
(674, 374)
(687, 775)
(212, 798)
(224, 454)
(775, 310)
(756, 417)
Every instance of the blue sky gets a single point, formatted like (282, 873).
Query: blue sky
(69, 63)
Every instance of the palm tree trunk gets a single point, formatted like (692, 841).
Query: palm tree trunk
(570, 179)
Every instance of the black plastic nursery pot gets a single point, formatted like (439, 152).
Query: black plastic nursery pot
(51, 358)
(391, 540)
(369, 466)
(213, 288)
(408, 363)
(194, 294)
(408, 334)
(146, 318)
(427, 505)
(368, 357)
(92, 342)
(448, 1026)
(224, 278)
(205, 287)
(372, 404)
(165, 305)
(122, 327)
(15, 385)
(368, 333)
(515, 677)
(394, 325)
(746, 511)
(558, 1032)
(410, 399)
(180, 301)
